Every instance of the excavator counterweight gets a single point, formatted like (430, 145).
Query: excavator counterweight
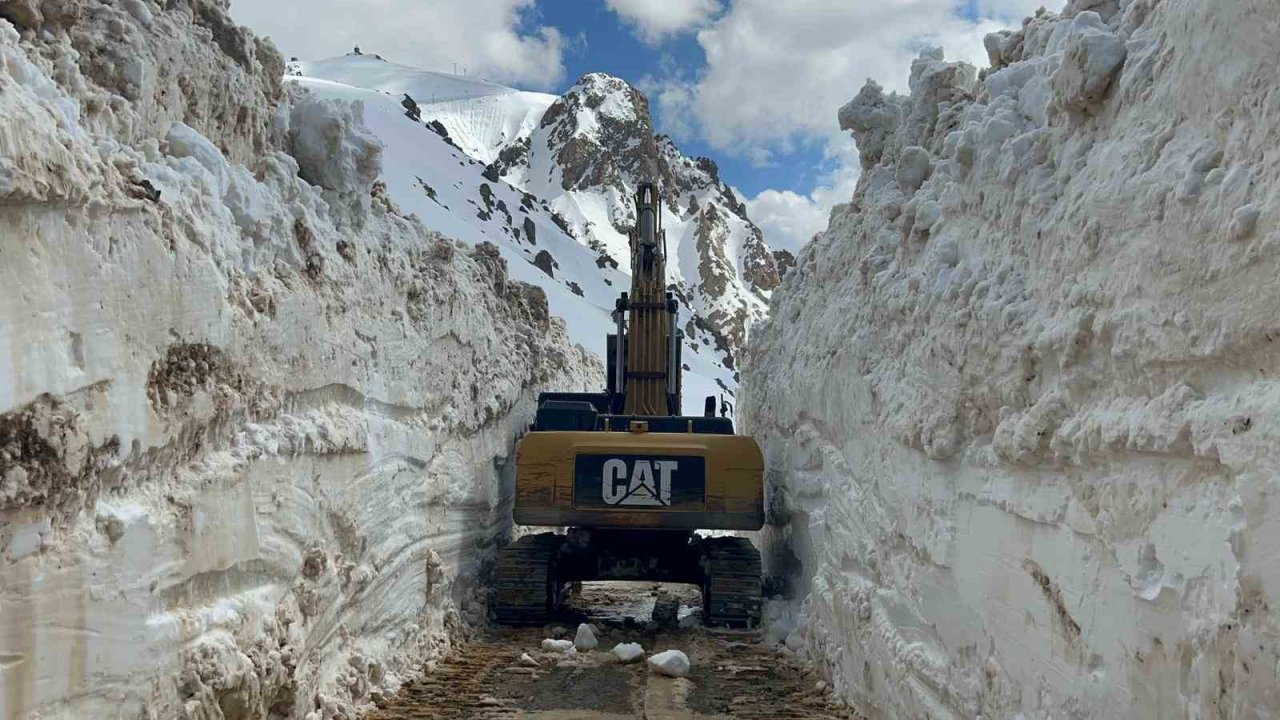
(630, 476)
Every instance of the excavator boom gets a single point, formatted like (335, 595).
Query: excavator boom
(652, 384)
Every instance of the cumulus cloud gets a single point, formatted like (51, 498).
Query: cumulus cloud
(1013, 10)
(674, 101)
(655, 20)
(496, 39)
(777, 72)
(790, 219)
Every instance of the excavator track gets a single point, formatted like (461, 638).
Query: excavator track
(461, 688)
(527, 591)
(731, 585)
(732, 676)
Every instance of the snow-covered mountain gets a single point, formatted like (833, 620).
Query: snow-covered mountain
(593, 146)
(550, 180)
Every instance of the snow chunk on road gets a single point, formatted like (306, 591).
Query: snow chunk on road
(527, 659)
(550, 645)
(628, 652)
(585, 639)
(671, 663)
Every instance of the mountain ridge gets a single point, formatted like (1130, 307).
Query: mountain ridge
(584, 152)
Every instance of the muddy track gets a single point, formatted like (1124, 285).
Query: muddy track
(733, 676)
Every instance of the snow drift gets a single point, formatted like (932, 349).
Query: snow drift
(1021, 399)
(254, 421)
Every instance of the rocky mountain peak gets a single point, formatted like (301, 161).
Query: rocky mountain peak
(611, 96)
(590, 150)
(599, 134)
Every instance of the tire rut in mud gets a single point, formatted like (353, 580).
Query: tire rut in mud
(733, 676)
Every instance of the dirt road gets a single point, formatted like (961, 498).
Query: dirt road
(733, 674)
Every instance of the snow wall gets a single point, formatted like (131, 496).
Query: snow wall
(254, 423)
(1021, 400)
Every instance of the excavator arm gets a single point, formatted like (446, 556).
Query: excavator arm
(646, 369)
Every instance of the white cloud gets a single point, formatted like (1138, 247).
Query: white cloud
(494, 39)
(674, 102)
(789, 219)
(777, 72)
(1014, 10)
(655, 20)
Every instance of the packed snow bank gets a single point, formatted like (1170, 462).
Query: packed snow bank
(254, 423)
(1021, 400)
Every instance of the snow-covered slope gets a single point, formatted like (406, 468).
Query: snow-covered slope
(571, 163)
(482, 118)
(428, 177)
(1021, 400)
(254, 420)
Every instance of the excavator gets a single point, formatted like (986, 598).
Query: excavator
(629, 477)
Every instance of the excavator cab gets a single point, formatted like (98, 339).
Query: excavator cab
(630, 476)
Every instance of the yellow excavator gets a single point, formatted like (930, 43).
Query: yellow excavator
(629, 476)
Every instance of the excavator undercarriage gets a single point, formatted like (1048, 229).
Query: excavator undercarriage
(535, 572)
(630, 477)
